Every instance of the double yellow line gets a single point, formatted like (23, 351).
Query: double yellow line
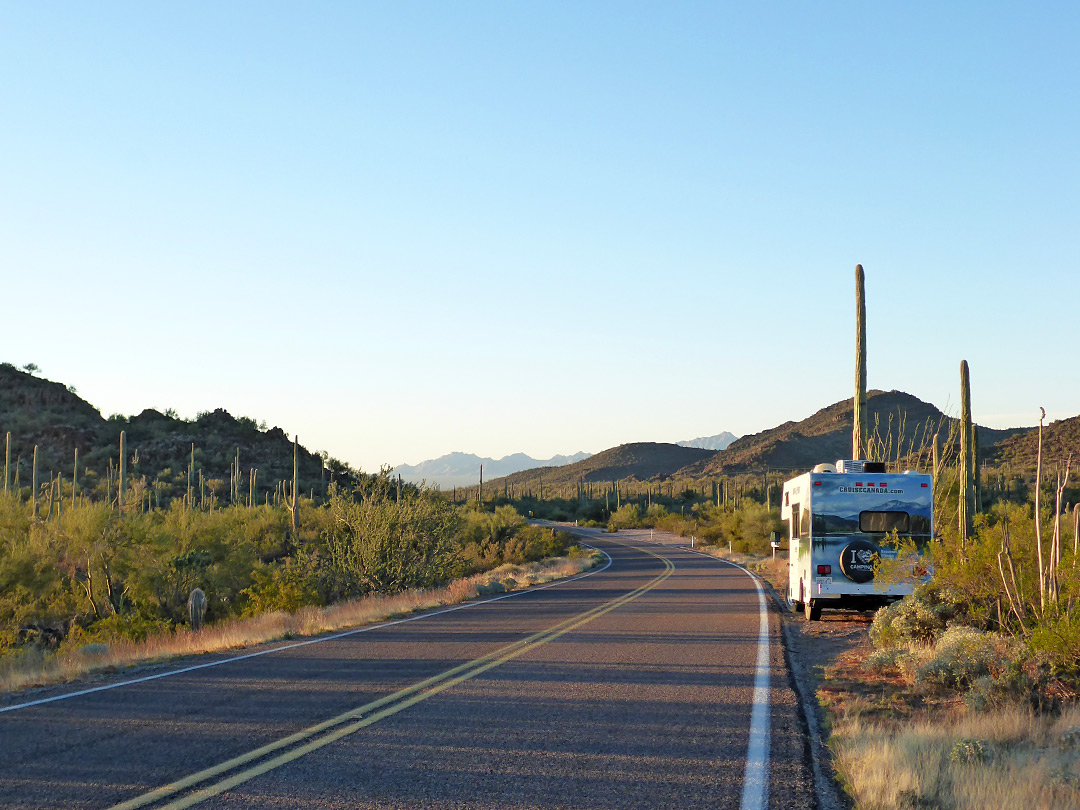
(311, 739)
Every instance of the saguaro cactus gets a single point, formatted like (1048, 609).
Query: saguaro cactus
(967, 455)
(123, 470)
(7, 461)
(196, 606)
(293, 503)
(33, 482)
(858, 430)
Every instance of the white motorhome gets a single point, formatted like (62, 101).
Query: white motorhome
(837, 516)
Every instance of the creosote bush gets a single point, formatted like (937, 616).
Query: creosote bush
(919, 617)
(961, 654)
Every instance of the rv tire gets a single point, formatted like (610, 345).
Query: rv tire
(812, 610)
(793, 604)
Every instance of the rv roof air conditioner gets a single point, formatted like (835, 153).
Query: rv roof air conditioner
(859, 466)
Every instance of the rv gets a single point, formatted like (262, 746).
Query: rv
(837, 516)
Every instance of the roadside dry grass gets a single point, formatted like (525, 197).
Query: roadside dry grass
(772, 570)
(899, 746)
(40, 669)
(1010, 759)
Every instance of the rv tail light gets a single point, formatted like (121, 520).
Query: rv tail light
(824, 570)
(883, 485)
(925, 486)
(818, 484)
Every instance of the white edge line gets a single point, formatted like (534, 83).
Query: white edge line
(365, 629)
(755, 795)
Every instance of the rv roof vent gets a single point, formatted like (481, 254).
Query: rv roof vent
(910, 472)
(824, 468)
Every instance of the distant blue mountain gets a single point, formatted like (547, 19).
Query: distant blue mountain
(717, 442)
(463, 469)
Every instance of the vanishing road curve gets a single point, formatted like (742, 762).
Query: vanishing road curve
(656, 682)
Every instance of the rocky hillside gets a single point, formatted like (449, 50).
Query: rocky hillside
(1061, 441)
(898, 419)
(46, 414)
(640, 460)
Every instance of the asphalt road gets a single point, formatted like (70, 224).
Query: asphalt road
(632, 687)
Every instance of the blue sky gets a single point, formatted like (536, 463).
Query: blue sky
(401, 229)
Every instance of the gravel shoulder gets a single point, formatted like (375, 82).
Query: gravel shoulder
(811, 646)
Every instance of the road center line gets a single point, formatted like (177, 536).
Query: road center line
(308, 740)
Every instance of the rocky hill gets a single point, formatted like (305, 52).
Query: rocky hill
(1061, 441)
(52, 417)
(898, 419)
(640, 460)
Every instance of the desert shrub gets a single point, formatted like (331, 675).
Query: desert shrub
(627, 516)
(884, 660)
(918, 617)
(1057, 642)
(969, 751)
(288, 585)
(963, 654)
(383, 544)
(130, 627)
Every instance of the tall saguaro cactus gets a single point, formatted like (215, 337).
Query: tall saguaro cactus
(33, 482)
(858, 431)
(967, 455)
(123, 469)
(293, 503)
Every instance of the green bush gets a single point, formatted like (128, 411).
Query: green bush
(967, 751)
(918, 617)
(1057, 642)
(286, 585)
(963, 654)
(130, 626)
(628, 516)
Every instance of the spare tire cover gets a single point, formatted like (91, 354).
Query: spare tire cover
(857, 560)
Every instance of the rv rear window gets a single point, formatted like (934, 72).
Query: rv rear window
(920, 524)
(883, 521)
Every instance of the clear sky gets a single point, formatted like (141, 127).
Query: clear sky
(404, 228)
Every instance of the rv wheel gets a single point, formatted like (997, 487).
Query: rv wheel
(812, 610)
(793, 604)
